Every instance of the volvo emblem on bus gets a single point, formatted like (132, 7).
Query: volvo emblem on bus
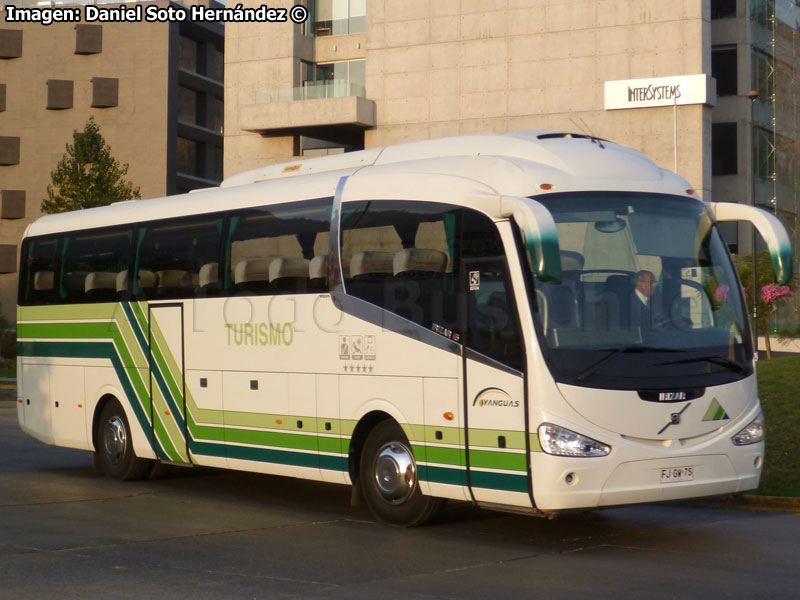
(674, 419)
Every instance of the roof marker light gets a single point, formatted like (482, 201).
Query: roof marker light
(690, 192)
(546, 186)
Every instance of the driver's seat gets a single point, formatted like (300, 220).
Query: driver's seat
(617, 293)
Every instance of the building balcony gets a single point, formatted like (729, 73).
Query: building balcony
(303, 110)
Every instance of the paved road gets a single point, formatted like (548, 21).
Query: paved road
(66, 532)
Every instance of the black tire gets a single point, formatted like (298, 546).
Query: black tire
(114, 446)
(389, 479)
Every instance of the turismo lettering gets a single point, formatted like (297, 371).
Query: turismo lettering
(260, 334)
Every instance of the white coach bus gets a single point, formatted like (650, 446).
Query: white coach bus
(532, 322)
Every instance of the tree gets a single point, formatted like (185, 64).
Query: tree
(87, 175)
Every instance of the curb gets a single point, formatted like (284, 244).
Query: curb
(772, 503)
(748, 502)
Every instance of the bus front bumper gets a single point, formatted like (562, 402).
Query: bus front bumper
(561, 483)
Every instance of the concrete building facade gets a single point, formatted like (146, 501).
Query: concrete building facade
(155, 90)
(455, 67)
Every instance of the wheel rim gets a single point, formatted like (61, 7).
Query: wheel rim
(115, 439)
(395, 473)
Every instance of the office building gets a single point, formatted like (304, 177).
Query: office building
(668, 78)
(155, 89)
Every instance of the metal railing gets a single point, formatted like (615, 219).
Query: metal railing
(312, 90)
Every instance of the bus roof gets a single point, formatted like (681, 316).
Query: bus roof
(569, 153)
(518, 163)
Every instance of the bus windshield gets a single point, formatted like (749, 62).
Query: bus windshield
(648, 297)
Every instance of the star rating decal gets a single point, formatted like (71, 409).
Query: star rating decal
(358, 368)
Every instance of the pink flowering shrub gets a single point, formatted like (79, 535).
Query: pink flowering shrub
(772, 291)
(722, 293)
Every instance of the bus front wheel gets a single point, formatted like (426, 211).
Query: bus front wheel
(114, 447)
(389, 479)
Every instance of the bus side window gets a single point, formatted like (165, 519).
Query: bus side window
(271, 249)
(399, 256)
(176, 258)
(493, 326)
(38, 267)
(91, 264)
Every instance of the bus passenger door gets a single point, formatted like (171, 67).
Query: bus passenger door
(167, 384)
(494, 387)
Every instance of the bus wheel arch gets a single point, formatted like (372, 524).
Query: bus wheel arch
(366, 424)
(113, 444)
(387, 473)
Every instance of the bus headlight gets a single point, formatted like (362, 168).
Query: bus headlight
(565, 442)
(751, 434)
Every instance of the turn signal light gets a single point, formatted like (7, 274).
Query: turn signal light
(449, 416)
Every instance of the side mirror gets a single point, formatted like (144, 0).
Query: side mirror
(770, 228)
(539, 234)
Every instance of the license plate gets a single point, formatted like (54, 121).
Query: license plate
(676, 474)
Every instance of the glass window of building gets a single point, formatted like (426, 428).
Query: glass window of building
(219, 115)
(337, 17)
(763, 75)
(189, 54)
(333, 80)
(763, 153)
(724, 149)
(215, 63)
(723, 9)
(724, 69)
(188, 105)
(189, 157)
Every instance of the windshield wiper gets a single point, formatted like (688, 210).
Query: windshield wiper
(613, 353)
(729, 364)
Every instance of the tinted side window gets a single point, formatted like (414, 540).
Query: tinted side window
(401, 256)
(94, 266)
(493, 326)
(279, 249)
(178, 259)
(416, 259)
(38, 271)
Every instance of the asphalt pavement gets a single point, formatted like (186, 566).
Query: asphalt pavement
(67, 532)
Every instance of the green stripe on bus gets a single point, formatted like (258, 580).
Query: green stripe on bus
(488, 438)
(71, 312)
(499, 481)
(281, 457)
(433, 474)
(440, 455)
(333, 463)
(484, 459)
(269, 438)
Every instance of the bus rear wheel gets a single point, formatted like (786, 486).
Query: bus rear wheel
(114, 446)
(389, 479)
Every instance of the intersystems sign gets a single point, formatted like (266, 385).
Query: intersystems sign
(660, 91)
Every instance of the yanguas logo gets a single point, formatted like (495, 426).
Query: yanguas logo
(494, 397)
